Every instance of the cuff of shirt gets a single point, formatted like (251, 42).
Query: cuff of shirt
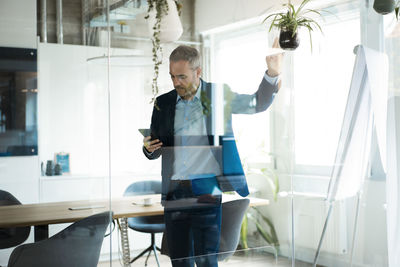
(147, 152)
(272, 80)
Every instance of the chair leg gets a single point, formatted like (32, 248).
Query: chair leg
(147, 258)
(151, 248)
(141, 254)
(155, 254)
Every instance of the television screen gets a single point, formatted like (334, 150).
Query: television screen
(18, 102)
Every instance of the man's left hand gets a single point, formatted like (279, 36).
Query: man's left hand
(274, 62)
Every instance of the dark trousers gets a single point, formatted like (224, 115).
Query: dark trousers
(193, 236)
(193, 230)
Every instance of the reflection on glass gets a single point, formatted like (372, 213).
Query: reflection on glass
(196, 166)
(77, 245)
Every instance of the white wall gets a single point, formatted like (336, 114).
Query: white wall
(18, 23)
(210, 14)
(73, 110)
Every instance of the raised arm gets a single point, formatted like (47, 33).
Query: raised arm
(263, 97)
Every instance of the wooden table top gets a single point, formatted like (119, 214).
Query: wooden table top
(60, 212)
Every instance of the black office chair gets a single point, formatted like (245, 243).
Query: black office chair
(11, 237)
(146, 224)
(232, 217)
(77, 245)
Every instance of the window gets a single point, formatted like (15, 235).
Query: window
(321, 82)
(240, 63)
(319, 79)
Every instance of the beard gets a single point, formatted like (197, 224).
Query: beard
(186, 92)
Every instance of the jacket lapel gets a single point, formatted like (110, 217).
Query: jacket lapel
(207, 106)
(171, 114)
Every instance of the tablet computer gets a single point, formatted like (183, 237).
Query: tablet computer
(145, 132)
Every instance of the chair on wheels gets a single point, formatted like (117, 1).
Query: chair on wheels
(146, 224)
(11, 237)
(232, 217)
(77, 245)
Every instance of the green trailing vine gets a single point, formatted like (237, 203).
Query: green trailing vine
(161, 8)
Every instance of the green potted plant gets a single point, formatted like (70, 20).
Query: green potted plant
(289, 21)
(263, 224)
(164, 26)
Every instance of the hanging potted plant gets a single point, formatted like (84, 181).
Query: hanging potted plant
(384, 7)
(164, 26)
(289, 21)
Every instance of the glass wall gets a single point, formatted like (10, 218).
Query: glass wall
(55, 157)
(245, 171)
(263, 235)
(304, 132)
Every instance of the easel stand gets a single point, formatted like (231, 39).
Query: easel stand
(326, 225)
(323, 233)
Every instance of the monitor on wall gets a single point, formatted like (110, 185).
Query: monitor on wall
(18, 102)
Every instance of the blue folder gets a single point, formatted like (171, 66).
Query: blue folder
(233, 174)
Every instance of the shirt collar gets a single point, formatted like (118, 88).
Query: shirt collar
(197, 95)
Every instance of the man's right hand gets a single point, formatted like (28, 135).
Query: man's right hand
(152, 145)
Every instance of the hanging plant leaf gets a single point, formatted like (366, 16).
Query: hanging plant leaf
(271, 237)
(179, 7)
(274, 236)
(243, 233)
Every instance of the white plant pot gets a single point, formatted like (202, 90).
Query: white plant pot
(171, 26)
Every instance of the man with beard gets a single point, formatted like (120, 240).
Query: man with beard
(182, 130)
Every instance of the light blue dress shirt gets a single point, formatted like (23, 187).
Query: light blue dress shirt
(193, 155)
(189, 118)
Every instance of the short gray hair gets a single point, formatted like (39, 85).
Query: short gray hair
(186, 53)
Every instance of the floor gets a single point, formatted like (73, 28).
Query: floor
(264, 260)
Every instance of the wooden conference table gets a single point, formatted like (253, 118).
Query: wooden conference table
(41, 215)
